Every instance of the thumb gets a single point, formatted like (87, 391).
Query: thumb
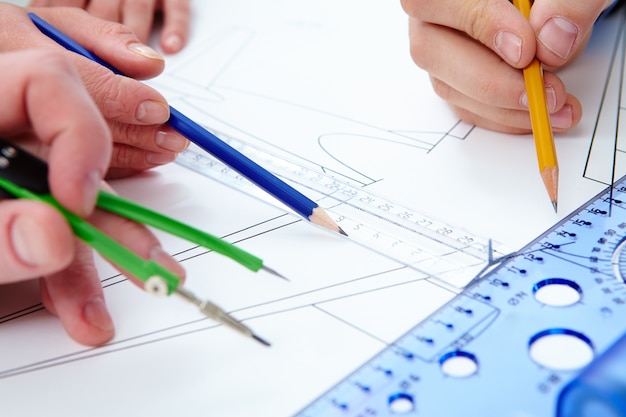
(35, 240)
(563, 28)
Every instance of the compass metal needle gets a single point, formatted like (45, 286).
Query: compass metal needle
(274, 272)
(218, 314)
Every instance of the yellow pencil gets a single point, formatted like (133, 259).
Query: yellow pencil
(540, 120)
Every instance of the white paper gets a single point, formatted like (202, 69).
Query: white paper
(327, 84)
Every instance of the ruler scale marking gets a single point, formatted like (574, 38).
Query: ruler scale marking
(508, 382)
(584, 253)
(439, 250)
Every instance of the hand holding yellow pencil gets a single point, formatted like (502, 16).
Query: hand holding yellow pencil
(540, 120)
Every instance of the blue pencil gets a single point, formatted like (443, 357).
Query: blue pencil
(197, 134)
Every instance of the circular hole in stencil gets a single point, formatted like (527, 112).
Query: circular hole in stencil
(557, 292)
(561, 349)
(401, 403)
(458, 364)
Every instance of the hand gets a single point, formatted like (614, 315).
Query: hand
(473, 51)
(135, 112)
(139, 16)
(35, 239)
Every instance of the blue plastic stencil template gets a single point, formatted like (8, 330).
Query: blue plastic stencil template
(509, 342)
(513, 339)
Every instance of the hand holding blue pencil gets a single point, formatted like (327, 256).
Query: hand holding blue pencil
(197, 134)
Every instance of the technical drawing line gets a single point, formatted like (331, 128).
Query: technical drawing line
(111, 347)
(618, 40)
(21, 313)
(256, 137)
(617, 125)
(84, 354)
(351, 325)
(204, 252)
(242, 40)
(226, 65)
(509, 298)
(427, 147)
(336, 116)
(236, 53)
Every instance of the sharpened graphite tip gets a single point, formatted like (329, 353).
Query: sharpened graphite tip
(341, 231)
(554, 205)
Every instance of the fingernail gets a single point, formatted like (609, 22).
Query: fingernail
(171, 141)
(173, 42)
(562, 119)
(97, 314)
(158, 255)
(160, 158)
(509, 45)
(152, 112)
(550, 99)
(523, 100)
(144, 50)
(558, 35)
(28, 241)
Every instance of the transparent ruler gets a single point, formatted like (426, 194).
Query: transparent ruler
(441, 251)
(509, 345)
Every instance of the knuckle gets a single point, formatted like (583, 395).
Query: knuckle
(406, 6)
(482, 21)
(486, 89)
(474, 21)
(443, 90)
(143, 6)
(421, 47)
(114, 30)
(104, 88)
(124, 156)
(466, 115)
(141, 137)
(53, 61)
(417, 8)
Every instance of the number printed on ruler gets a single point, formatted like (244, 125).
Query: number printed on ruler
(439, 250)
(513, 340)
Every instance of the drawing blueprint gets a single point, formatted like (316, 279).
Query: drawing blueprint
(329, 86)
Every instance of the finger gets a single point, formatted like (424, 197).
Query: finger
(144, 147)
(507, 123)
(75, 295)
(33, 80)
(139, 16)
(150, 138)
(496, 24)
(106, 9)
(136, 159)
(34, 240)
(506, 120)
(119, 98)
(71, 3)
(136, 237)
(488, 80)
(118, 173)
(112, 42)
(177, 15)
(563, 27)
(124, 100)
